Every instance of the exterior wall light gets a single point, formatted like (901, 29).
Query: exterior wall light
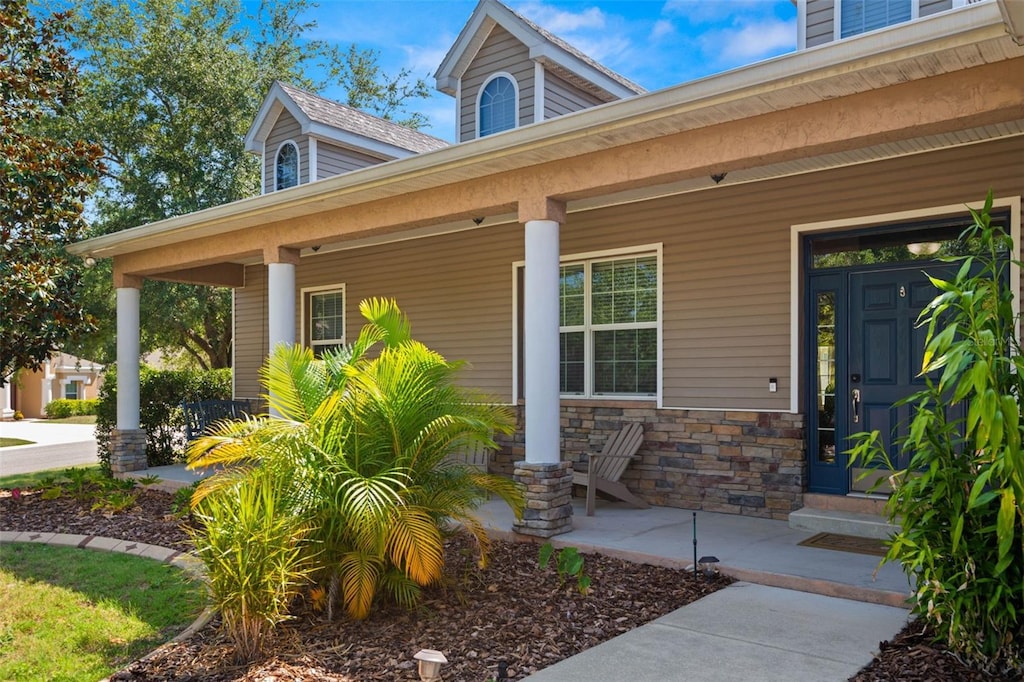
(924, 248)
(430, 664)
(90, 262)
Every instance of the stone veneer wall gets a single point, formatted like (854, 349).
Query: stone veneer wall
(749, 463)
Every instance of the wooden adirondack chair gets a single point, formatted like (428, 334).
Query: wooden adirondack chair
(605, 468)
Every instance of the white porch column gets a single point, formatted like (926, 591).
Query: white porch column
(281, 303)
(542, 343)
(128, 358)
(546, 479)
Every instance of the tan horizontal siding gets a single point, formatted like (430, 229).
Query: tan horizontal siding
(726, 257)
(285, 128)
(500, 52)
(334, 160)
(251, 331)
(820, 17)
(562, 97)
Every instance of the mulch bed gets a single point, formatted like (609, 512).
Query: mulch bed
(510, 612)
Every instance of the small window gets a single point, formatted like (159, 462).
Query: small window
(72, 390)
(498, 106)
(286, 167)
(326, 320)
(861, 16)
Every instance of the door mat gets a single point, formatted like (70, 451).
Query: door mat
(846, 543)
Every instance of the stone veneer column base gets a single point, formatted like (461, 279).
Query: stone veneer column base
(548, 498)
(127, 450)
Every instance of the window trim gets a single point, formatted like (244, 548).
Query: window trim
(837, 20)
(298, 165)
(638, 251)
(306, 315)
(480, 96)
(79, 386)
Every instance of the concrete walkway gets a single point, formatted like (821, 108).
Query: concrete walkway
(55, 446)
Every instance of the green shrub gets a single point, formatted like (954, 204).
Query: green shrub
(253, 549)
(161, 393)
(361, 456)
(960, 503)
(60, 409)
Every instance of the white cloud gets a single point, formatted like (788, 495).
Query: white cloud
(424, 59)
(662, 28)
(560, 21)
(742, 44)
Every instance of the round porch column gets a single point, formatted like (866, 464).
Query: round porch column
(542, 343)
(127, 358)
(281, 303)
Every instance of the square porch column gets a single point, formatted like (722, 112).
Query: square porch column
(546, 478)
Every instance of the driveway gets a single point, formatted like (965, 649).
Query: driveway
(57, 446)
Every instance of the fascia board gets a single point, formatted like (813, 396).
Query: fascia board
(546, 51)
(276, 101)
(947, 30)
(1012, 12)
(358, 142)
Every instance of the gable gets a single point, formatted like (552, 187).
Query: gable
(501, 52)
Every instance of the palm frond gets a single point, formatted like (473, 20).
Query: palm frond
(400, 588)
(383, 314)
(359, 575)
(295, 382)
(415, 545)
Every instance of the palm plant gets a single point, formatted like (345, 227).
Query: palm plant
(360, 448)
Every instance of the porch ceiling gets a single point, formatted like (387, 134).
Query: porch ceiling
(778, 96)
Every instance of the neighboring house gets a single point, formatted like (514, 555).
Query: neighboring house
(599, 254)
(62, 376)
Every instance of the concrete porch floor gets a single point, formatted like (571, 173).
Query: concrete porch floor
(760, 551)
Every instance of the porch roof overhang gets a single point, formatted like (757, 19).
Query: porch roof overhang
(803, 111)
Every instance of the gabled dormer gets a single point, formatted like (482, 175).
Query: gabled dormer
(505, 71)
(303, 137)
(825, 21)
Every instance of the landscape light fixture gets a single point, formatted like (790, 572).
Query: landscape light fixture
(430, 664)
(707, 565)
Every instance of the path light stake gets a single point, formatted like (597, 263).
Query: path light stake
(694, 544)
(430, 664)
(502, 671)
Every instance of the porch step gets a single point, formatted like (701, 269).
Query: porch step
(843, 522)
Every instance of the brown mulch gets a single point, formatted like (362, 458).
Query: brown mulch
(510, 612)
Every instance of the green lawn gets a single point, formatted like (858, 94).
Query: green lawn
(36, 478)
(75, 614)
(8, 442)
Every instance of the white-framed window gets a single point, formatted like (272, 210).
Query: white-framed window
(324, 315)
(286, 166)
(497, 105)
(73, 390)
(860, 16)
(609, 324)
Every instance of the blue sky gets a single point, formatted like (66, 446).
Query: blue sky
(657, 43)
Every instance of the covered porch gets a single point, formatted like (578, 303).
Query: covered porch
(707, 180)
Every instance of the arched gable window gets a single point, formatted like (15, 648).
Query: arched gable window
(498, 109)
(286, 166)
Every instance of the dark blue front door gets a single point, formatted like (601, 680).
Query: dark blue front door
(886, 347)
(866, 351)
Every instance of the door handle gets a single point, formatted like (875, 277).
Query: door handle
(856, 405)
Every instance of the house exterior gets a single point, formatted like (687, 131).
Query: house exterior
(62, 376)
(600, 254)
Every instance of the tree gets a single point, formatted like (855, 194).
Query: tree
(170, 90)
(43, 182)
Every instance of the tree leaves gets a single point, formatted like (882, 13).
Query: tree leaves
(43, 183)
